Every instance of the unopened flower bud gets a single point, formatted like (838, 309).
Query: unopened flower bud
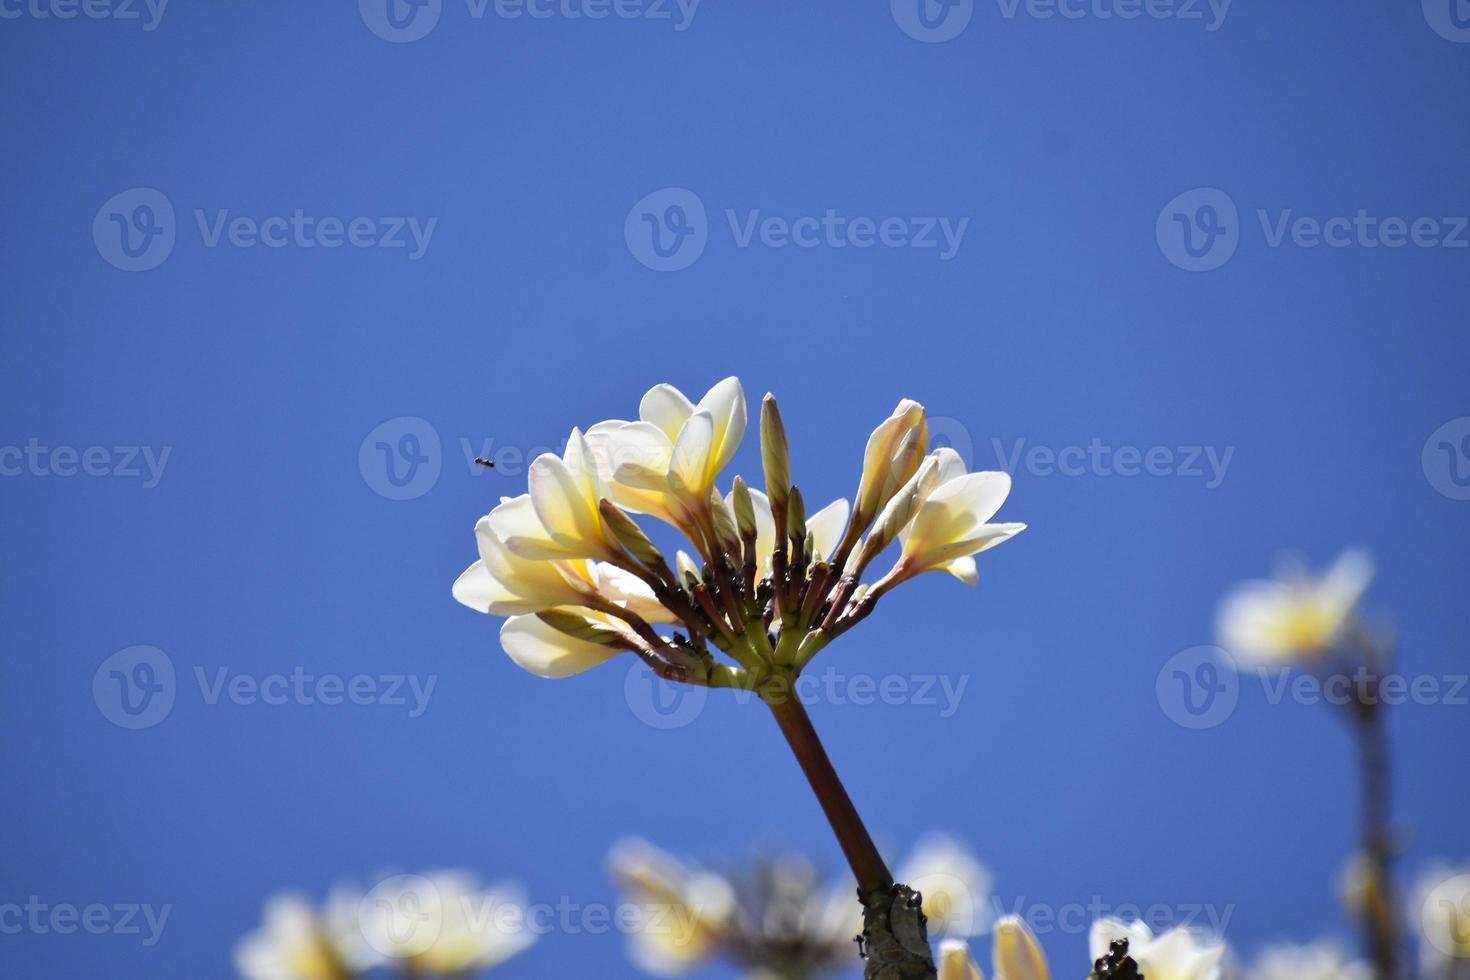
(775, 453)
(577, 626)
(892, 455)
(629, 534)
(744, 510)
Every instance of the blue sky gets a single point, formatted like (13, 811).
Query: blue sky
(474, 250)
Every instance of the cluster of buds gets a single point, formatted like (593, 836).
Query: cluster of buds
(772, 583)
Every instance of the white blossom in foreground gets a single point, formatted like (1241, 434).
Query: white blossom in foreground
(686, 914)
(444, 923)
(1174, 955)
(1296, 618)
(1317, 961)
(1440, 903)
(953, 883)
(297, 941)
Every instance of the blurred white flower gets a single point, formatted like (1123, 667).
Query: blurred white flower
(1441, 901)
(954, 886)
(686, 913)
(444, 923)
(296, 941)
(1175, 955)
(955, 962)
(1317, 961)
(1296, 617)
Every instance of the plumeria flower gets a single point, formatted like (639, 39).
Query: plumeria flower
(559, 517)
(763, 582)
(766, 584)
(1318, 961)
(687, 914)
(955, 962)
(665, 464)
(445, 924)
(296, 941)
(1175, 955)
(943, 515)
(1296, 618)
(1441, 902)
(953, 883)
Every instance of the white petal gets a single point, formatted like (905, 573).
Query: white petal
(963, 569)
(547, 652)
(666, 407)
(979, 494)
(691, 455)
(477, 589)
(725, 403)
(951, 464)
(827, 525)
(559, 497)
